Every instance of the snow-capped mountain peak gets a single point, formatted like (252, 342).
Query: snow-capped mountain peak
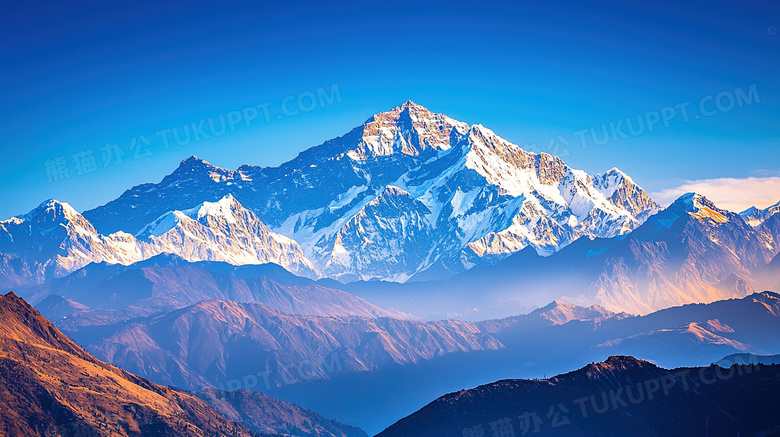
(410, 129)
(750, 211)
(700, 207)
(222, 211)
(51, 210)
(223, 208)
(194, 168)
(609, 181)
(755, 217)
(54, 239)
(623, 192)
(47, 226)
(165, 223)
(194, 163)
(223, 231)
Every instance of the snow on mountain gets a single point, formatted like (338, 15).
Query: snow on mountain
(692, 251)
(386, 234)
(622, 191)
(754, 216)
(54, 239)
(480, 201)
(409, 129)
(223, 231)
(410, 193)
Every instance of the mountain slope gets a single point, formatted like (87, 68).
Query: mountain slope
(265, 414)
(438, 196)
(696, 334)
(621, 396)
(732, 359)
(50, 386)
(213, 342)
(536, 345)
(554, 314)
(681, 256)
(768, 277)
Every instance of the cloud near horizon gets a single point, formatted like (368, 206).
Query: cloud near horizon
(732, 194)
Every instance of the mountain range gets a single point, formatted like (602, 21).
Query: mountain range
(744, 358)
(102, 293)
(32, 348)
(412, 196)
(410, 193)
(754, 216)
(534, 344)
(54, 240)
(213, 342)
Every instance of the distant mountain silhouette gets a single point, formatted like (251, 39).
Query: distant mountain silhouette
(104, 293)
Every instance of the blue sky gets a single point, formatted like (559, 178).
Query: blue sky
(75, 78)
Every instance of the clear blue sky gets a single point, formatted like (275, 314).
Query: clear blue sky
(76, 77)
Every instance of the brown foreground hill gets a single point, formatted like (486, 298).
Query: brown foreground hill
(49, 386)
